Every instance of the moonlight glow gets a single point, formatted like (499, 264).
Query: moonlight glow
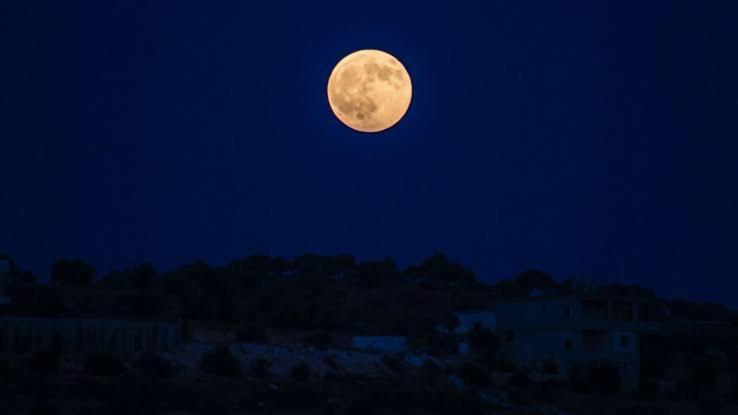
(369, 90)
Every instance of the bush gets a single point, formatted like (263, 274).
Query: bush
(260, 368)
(430, 368)
(104, 364)
(550, 367)
(605, 378)
(45, 361)
(220, 362)
(300, 372)
(154, 365)
(43, 408)
(598, 378)
(704, 375)
(394, 363)
(484, 341)
(473, 374)
(71, 272)
(8, 371)
(520, 380)
(441, 344)
(319, 339)
(504, 366)
(251, 334)
(331, 362)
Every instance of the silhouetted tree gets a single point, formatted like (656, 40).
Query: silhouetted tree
(300, 372)
(104, 364)
(375, 274)
(535, 279)
(474, 374)
(220, 362)
(438, 272)
(152, 364)
(260, 368)
(484, 341)
(71, 272)
(450, 323)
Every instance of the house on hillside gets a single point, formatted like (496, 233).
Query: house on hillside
(574, 330)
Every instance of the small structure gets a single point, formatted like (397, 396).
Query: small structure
(381, 344)
(4, 281)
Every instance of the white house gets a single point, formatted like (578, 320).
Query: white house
(571, 330)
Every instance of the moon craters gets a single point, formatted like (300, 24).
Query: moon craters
(369, 90)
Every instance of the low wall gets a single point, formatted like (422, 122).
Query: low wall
(21, 335)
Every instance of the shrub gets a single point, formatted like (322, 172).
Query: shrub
(599, 378)
(45, 361)
(300, 372)
(8, 371)
(319, 339)
(504, 365)
(260, 368)
(431, 368)
(441, 344)
(484, 341)
(520, 380)
(71, 272)
(154, 365)
(43, 408)
(394, 363)
(331, 362)
(473, 374)
(550, 367)
(251, 334)
(605, 378)
(220, 362)
(104, 364)
(704, 375)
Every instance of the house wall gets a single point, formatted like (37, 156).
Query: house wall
(537, 314)
(625, 354)
(532, 347)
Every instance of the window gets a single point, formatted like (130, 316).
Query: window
(568, 345)
(624, 341)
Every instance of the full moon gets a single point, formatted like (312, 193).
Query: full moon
(369, 90)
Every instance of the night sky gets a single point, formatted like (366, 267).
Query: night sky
(585, 138)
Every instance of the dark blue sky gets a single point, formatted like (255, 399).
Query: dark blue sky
(587, 138)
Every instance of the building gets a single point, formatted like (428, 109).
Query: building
(4, 281)
(573, 330)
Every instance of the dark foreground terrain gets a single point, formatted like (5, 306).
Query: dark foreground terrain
(266, 335)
